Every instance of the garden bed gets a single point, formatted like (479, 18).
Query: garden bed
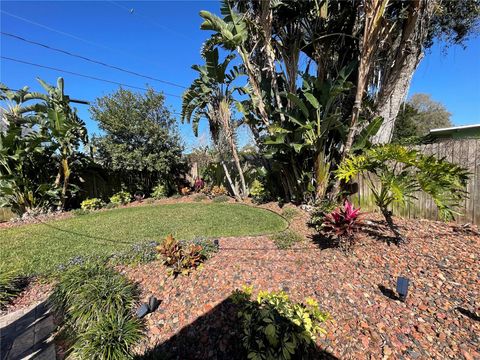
(197, 320)
(438, 320)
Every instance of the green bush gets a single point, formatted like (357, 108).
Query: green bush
(274, 327)
(92, 204)
(111, 205)
(257, 191)
(121, 198)
(221, 199)
(286, 239)
(200, 197)
(8, 286)
(322, 209)
(97, 304)
(159, 192)
(80, 212)
(290, 213)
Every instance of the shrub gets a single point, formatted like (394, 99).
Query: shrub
(274, 327)
(199, 184)
(8, 286)
(97, 303)
(200, 197)
(159, 192)
(111, 206)
(80, 212)
(221, 199)
(182, 257)
(343, 223)
(218, 190)
(92, 204)
(290, 213)
(121, 198)
(286, 239)
(257, 191)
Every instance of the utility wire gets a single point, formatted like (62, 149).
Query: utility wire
(90, 60)
(77, 37)
(81, 75)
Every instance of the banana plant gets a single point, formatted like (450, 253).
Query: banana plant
(210, 96)
(65, 131)
(314, 130)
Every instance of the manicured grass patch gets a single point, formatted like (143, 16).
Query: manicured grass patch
(40, 248)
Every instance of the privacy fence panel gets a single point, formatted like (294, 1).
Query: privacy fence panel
(465, 152)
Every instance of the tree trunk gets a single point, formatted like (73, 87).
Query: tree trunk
(397, 77)
(229, 179)
(389, 104)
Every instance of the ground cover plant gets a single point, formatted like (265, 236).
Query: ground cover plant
(286, 239)
(96, 304)
(121, 198)
(40, 248)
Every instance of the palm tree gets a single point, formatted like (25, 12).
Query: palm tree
(211, 97)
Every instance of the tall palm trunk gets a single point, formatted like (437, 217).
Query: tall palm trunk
(224, 114)
(229, 179)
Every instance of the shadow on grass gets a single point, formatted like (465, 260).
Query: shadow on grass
(216, 335)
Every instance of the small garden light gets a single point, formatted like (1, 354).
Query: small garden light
(402, 287)
(146, 309)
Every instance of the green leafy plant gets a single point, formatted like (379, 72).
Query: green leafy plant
(92, 204)
(257, 191)
(286, 239)
(221, 199)
(111, 206)
(290, 213)
(274, 327)
(322, 208)
(138, 254)
(97, 304)
(395, 173)
(159, 192)
(121, 198)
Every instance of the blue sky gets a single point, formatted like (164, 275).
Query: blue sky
(162, 39)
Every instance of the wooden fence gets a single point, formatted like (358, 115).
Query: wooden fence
(465, 152)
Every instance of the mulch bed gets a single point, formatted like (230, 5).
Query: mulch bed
(196, 319)
(440, 319)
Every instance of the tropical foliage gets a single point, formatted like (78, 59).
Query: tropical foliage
(38, 128)
(396, 174)
(342, 223)
(274, 327)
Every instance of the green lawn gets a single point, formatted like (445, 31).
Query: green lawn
(40, 248)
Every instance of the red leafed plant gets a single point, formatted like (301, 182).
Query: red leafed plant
(343, 223)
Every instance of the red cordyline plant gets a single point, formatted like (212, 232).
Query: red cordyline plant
(343, 223)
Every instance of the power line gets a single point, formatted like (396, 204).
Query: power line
(76, 37)
(81, 75)
(90, 60)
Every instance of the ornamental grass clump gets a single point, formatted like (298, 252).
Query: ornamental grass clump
(274, 327)
(96, 304)
(9, 285)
